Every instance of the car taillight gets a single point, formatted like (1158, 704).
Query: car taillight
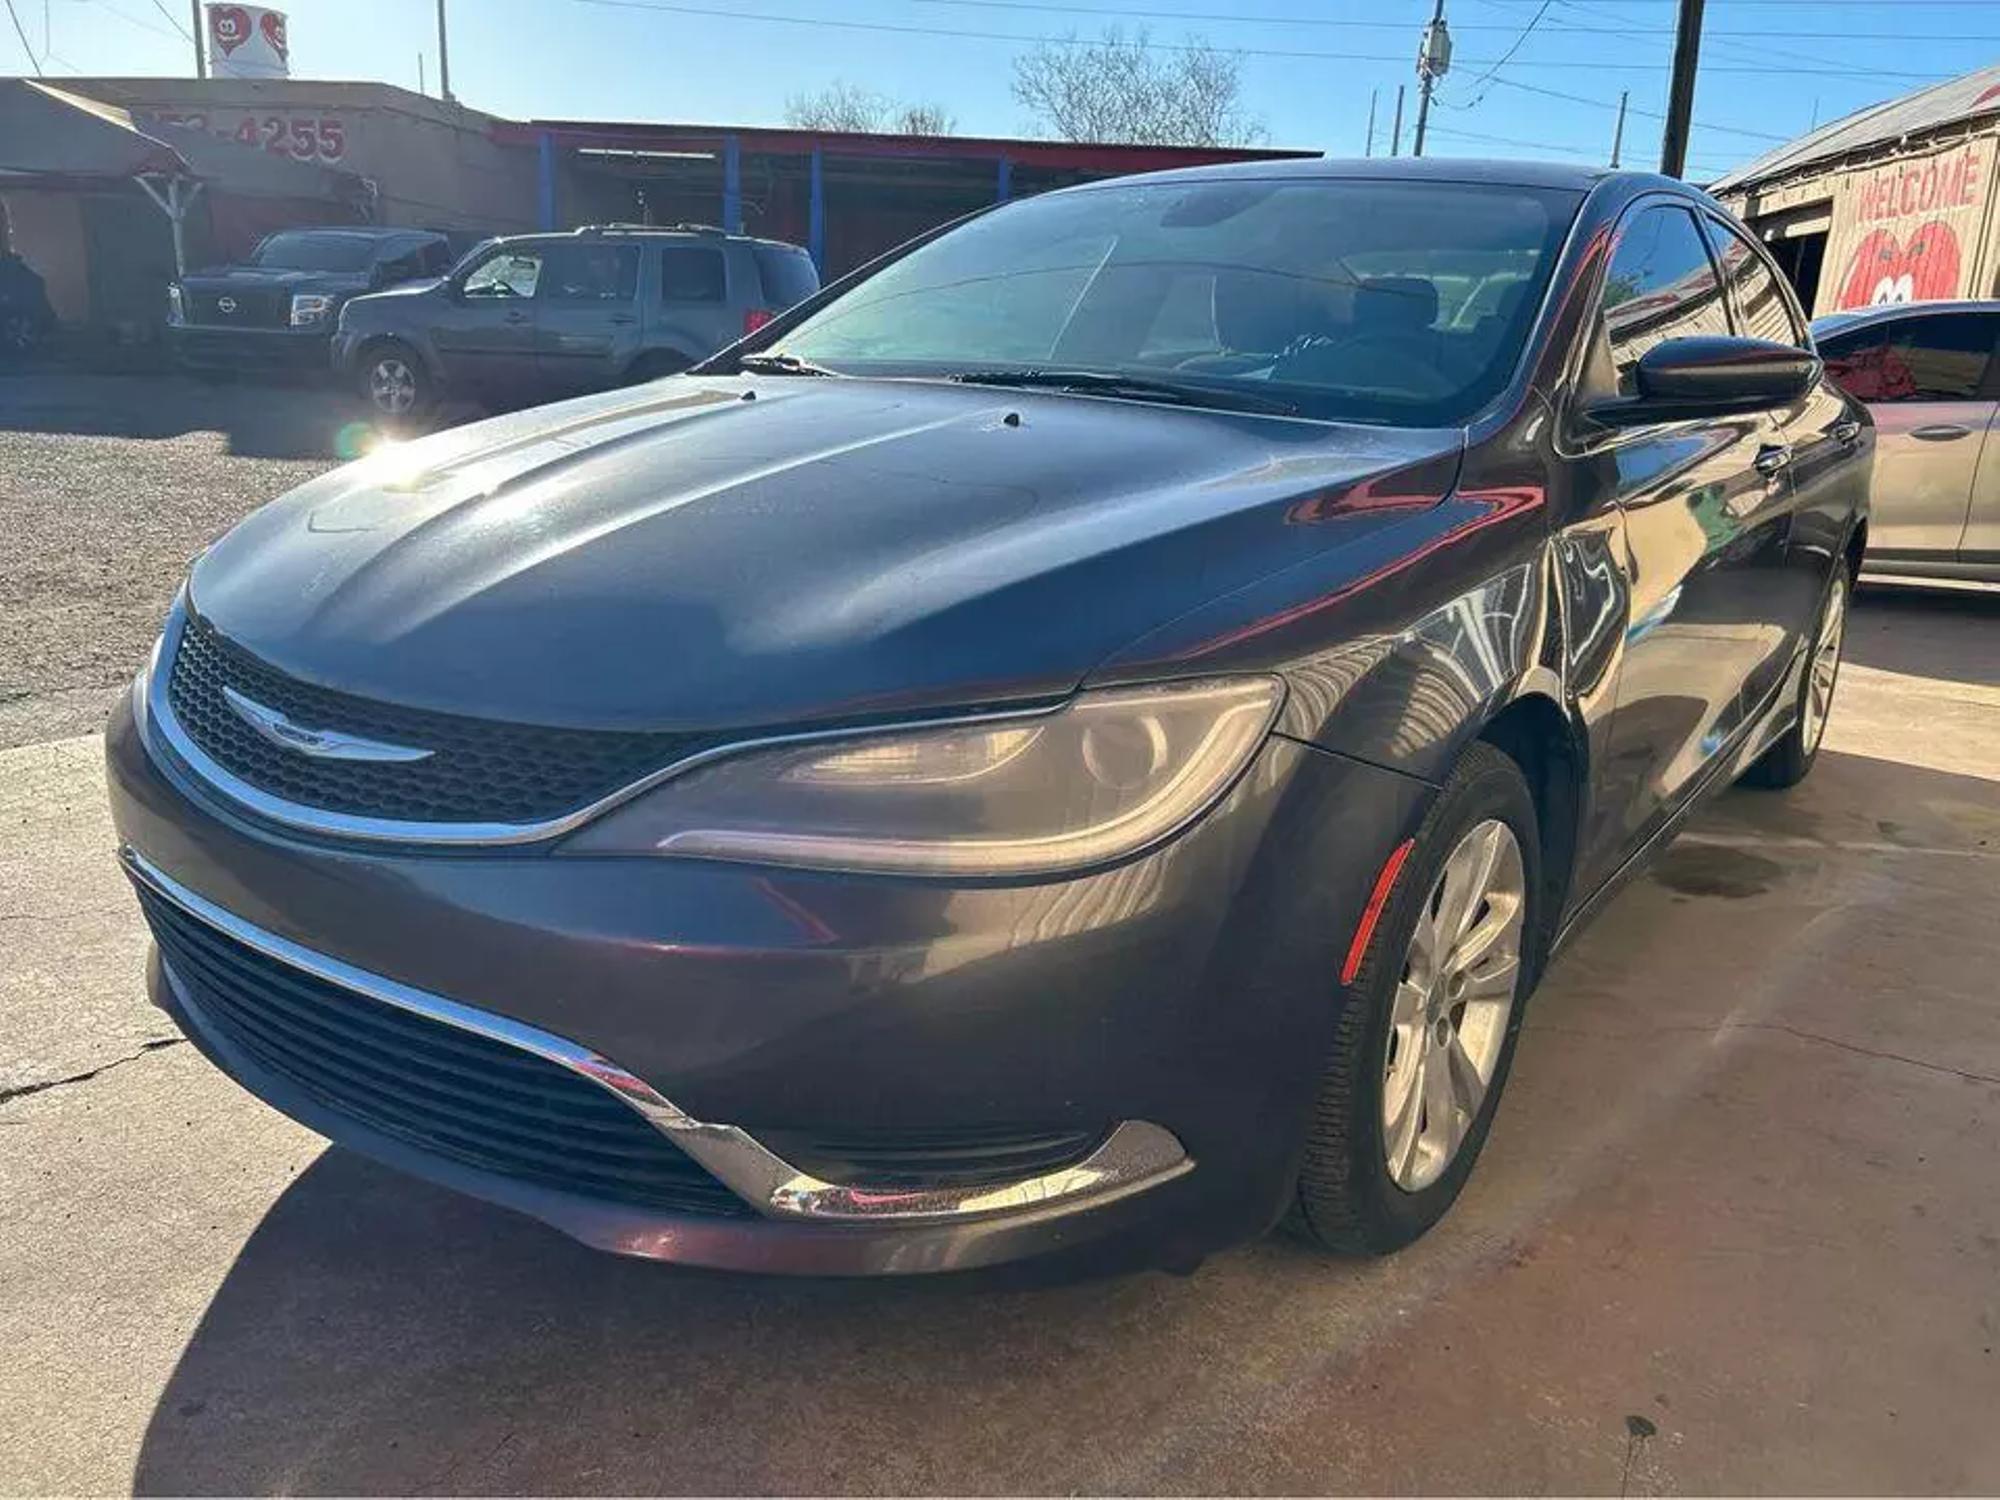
(755, 318)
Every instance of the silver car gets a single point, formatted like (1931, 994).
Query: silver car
(1927, 372)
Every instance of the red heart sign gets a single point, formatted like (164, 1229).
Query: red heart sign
(1883, 270)
(228, 26)
(274, 32)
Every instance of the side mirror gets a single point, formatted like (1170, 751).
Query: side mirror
(1710, 376)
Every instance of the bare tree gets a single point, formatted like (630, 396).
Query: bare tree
(845, 106)
(924, 119)
(1119, 89)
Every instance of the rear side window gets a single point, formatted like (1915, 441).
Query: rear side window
(787, 274)
(691, 274)
(1761, 309)
(1941, 357)
(1661, 285)
(592, 273)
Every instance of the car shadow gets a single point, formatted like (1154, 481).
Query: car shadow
(376, 1334)
(1941, 633)
(290, 417)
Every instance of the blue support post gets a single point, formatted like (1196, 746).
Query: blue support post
(816, 216)
(545, 182)
(732, 184)
(1006, 181)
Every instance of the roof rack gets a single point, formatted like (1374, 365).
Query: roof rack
(648, 229)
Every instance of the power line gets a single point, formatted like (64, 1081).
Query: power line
(1508, 56)
(1507, 140)
(160, 6)
(675, 8)
(15, 17)
(1126, 13)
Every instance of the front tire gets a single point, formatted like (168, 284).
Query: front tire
(1429, 1025)
(1791, 757)
(394, 382)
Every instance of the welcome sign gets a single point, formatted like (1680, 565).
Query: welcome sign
(1910, 230)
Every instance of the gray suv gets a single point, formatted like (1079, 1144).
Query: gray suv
(536, 317)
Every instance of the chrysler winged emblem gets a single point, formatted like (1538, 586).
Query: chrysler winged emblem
(321, 744)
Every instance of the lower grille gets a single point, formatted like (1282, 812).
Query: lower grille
(431, 1085)
(970, 1156)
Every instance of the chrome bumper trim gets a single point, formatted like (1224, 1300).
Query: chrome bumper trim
(1137, 1155)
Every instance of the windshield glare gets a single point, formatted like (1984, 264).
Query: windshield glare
(1395, 302)
(297, 251)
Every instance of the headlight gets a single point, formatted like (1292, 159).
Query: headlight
(176, 306)
(310, 307)
(1107, 775)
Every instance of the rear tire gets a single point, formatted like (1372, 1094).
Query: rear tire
(392, 379)
(1390, 1145)
(1791, 757)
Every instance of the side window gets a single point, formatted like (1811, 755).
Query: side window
(405, 262)
(1660, 285)
(1942, 357)
(787, 274)
(591, 273)
(691, 274)
(506, 273)
(1761, 309)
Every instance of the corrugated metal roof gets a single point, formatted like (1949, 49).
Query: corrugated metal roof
(1966, 98)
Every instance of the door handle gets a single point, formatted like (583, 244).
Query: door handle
(517, 317)
(1772, 458)
(1940, 432)
(622, 319)
(1847, 431)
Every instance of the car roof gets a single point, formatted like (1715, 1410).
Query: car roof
(1457, 169)
(357, 231)
(1861, 317)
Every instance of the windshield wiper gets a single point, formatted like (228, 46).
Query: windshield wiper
(780, 364)
(1131, 387)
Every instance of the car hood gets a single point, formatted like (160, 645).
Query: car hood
(710, 553)
(273, 278)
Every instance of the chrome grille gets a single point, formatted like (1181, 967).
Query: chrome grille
(479, 770)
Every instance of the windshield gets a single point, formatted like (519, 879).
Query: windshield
(1393, 302)
(306, 250)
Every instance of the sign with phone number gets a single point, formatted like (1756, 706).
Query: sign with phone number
(301, 137)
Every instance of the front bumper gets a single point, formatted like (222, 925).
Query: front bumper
(222, 347)
(1187, 995)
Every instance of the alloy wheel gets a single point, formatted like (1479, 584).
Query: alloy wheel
(1448, 1021)
(1824, 669)
(392, 385)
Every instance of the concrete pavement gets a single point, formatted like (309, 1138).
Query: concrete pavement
(1736, 1227)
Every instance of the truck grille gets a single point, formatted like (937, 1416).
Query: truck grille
(258, 309)
(479, 770)
(446, 1091)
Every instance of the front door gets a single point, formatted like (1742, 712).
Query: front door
(587, 316)
(1928, 379)
(485, 333)
(1706, 505)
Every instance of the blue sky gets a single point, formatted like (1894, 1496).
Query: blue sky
(1309, 66)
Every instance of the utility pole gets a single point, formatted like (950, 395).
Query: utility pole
(200, 61)
(1396, 135)
(1373, 95)
(444, 60)
(1433, 62)
(1618, 131)
(1680, 94)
